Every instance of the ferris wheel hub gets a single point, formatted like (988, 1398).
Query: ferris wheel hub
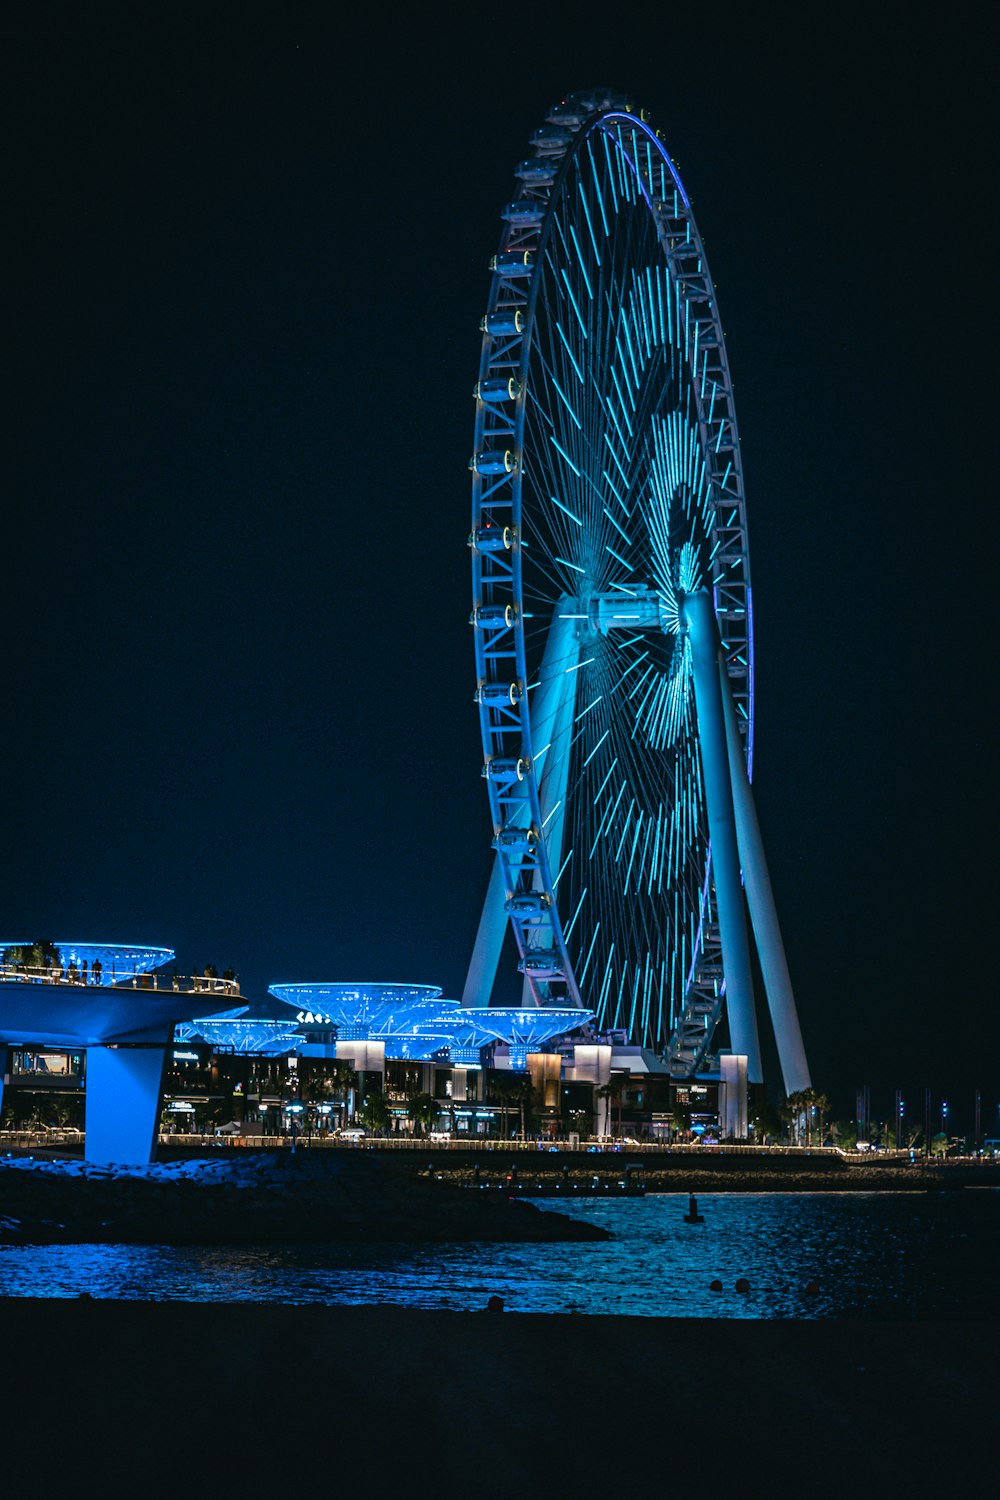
(639, 608)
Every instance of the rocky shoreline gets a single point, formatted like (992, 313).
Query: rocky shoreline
(352, 1197)
(263, 1199)
(726, 1177)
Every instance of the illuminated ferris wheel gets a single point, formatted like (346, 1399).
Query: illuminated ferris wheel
(612, 607)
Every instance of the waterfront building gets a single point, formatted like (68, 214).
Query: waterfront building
(104, 1036)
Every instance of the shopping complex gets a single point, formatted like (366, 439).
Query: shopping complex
(109, 1040)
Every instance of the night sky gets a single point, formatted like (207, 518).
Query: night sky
(249, 260)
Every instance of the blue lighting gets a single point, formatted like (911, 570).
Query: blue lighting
(402, 1015)
(117, 960)
(527, 1030)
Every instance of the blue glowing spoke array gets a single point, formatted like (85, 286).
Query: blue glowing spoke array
(621, 486)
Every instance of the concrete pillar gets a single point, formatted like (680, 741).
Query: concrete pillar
(545, 1072)
(123, 1102)
(368, 1061)
(732, 1097)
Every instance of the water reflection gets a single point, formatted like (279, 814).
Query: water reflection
(903, 1254)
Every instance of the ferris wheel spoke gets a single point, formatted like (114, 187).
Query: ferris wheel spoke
(624, 494)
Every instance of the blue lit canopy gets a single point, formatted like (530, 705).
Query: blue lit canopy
(470, 1028)
(247, 1034)
(534, 1026)
(528, 1030)
(257, 1028)
(117, 960)
(469, 1031)
(420, 1030)
(363, 1011)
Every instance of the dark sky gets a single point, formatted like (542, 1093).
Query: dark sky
(249, 260)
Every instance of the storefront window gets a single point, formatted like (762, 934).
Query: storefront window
(52, 1064)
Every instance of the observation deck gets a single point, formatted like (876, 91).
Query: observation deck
(108, 999)
(99, 994)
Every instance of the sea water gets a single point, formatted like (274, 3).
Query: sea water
(807, 1255)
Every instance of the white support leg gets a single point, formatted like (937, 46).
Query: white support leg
(763, 912)
(489, 941)
(698, 615)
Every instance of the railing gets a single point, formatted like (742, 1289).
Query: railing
(71, 1136)
(54, 1136)
(493, 1143)
(198, 983)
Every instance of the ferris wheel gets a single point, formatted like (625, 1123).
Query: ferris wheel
(612, 607)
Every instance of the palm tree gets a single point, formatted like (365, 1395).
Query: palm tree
(502, 1088)
(423, 1111)
(793, 1109)
(806, 1097)
(845, 1133)
(766, 1120)
(342, 1081)
(525, 1098)
(374, 1112)
(613, 1091)
(39, 955)
(821, 1104)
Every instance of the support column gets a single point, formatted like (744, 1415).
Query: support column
(123, 1102)
(763, 913)
(698, 615)
(489, 941)
(4, 1065)
(732, 1097)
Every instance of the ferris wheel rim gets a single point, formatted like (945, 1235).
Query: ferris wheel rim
(614, 114)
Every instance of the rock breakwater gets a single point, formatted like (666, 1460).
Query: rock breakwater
(267, 1199)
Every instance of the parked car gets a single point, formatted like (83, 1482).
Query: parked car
(350, 1133)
